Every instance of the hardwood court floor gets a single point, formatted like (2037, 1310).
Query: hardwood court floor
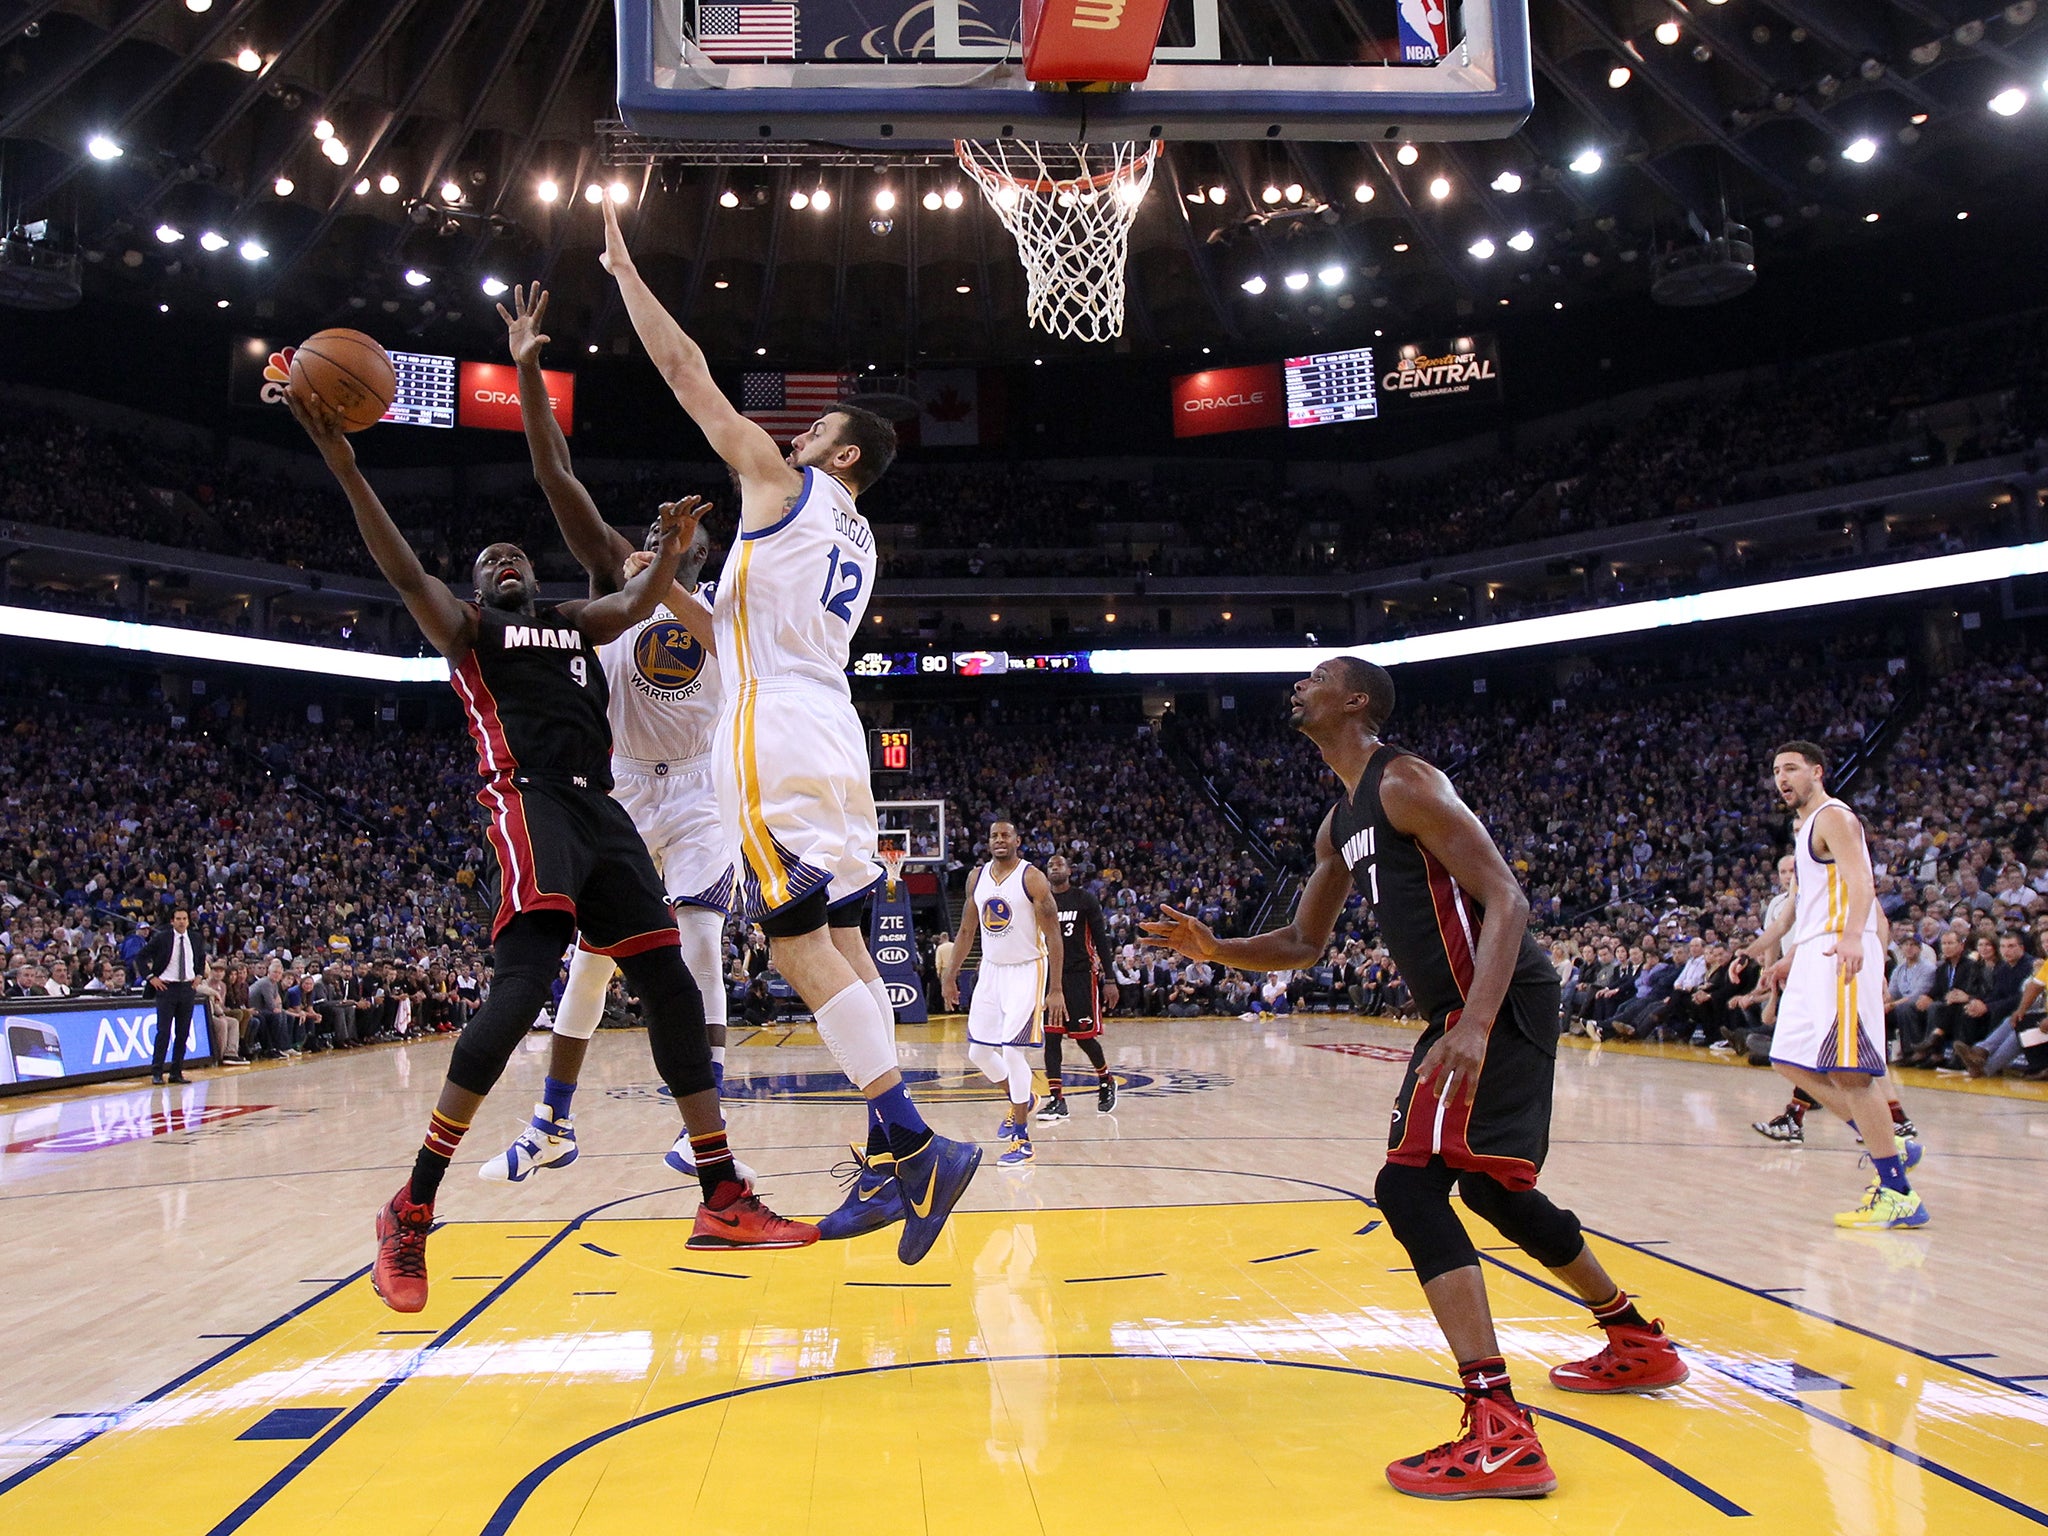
(1185, 1318)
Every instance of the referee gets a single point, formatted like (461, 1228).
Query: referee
(172, 962)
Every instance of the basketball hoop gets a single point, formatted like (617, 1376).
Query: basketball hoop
(892, 853)
(1070, 208)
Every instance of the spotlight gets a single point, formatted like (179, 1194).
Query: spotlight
(1331, 276)
(198, 7)
(820, 200)
(363, 187)
(1363, 192)
(1440, 188)
(760, 351)
(492, 287)
(1618, 76)
(1296, 281)
(547, 191)
(619, 193)
(1198, 196)
(248, 61)
(1481, 248)
(335, 151)
(1294, 191)
(1270, 195)
(1870, 218)
(170, 234)
(1963, 215)
(1667, 32)
(283, 186)
(450, 192)
(1588, 162)
(1860, 151)
(220, 303)
(323, 130)
(2008, 101)
(163, 309)
(593, 193)
(932, 202)
(721, 284)
(100, 147)
(963, 288)
(209, 241)
(799, 199)
(1521, 240)
(1407, 154)
(593, 346)
(387, 184)
(885, 199)
(252, 250)
(1508, 182)
(1400, 247)
(1253, 285)
(1217, 194)
(952, 199)
(415, 278)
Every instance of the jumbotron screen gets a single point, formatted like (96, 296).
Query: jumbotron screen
(1330, 387)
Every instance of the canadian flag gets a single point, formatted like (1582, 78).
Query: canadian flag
(951, 408)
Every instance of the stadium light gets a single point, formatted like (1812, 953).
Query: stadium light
(100, 147)
(169, 234)
(363, 187)
(252, 250)
(952, 199)
(1508, 182)
(1363, 192)
(1293, 191)
(799, 200)
(335, 151)
(387, 184)
(821, 200)
(619, 193)
(1765, 597)
(1269, 194)
(546, 190)
(248, 61)
(2008, 102)
(1521, 240)
(1296, 281)
(728, 198)
(1587, 162)
(885, 199)
(1618, 76)
(1407, 154)
(1440, 187)
(1253, 285)
(415, 278)
(1482, 248)
(1667, 33)
(211, 241)
(450, 192)
(284, 186)
(323, 130)
(593, 194)
(932, 202)
(492, 287)
(1217, 194)
(1331, 275)
(1860, 151)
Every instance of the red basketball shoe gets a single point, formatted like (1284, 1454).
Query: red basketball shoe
(1635, 1360)
(747, 1223)
(399, 1277)
(1498, 1457)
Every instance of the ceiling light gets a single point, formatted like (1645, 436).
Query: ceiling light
(1617, 77)
(1870, 218)
(593, 193)
(1667, 32)
(248, 61)
(170, 234)
(1521, 240)
(335, 151)
(885, 199)
(963, 288)
(1363, 192)
(728, 198)
(1860, 151)
(323, 130)
(760, 351)
(363, 187)
(1269, 194)
(100, 147)
(1508, 182)
(932, 202)
(1198, 196)
(1440, 188)
(1253, 285)
(1296, 281)
(220, 303)
(721, 284)
(283, 186)
(1217, 194)
(492, 287)
(1294, 191)
(1407, 154)
(2008, 101)
(799, 199)
(1401, 246)
(593, 346)
(415, 278)
(163, 309)
(1330, 276)
(1587, 162)
(387, 184)
(820, 200)
(1964, 214)
(952, 199)
(1559, 303)
(210, 241)
(450, 192)
(198, 7)
(547, 191)
(619, 193)
(1481, 248)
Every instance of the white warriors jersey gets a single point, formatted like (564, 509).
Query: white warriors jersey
(794, 593)
(1009, 923)
(1823, 893)
(665, 689)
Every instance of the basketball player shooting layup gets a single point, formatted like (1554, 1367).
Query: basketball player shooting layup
(1009, 902)
(791, 758)
(1830, 1034)
(664, 700)
(1474, 1110)
(567, 856)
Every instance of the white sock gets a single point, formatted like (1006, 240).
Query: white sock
(582, 1004)
(858, 1034)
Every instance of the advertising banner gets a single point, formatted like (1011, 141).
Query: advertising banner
(1444, 370)
(1229, 400)
(47, 1045)
(488, 397)
(893, 943)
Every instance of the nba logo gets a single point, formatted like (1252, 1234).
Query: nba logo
(1425, 31)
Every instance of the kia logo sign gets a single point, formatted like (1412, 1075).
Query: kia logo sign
(902, 995)
(892, 954)
(1228, 400)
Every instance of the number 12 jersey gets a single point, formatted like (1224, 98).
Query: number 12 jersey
(794, 593)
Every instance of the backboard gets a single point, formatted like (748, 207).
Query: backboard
(908, 72)
(918, 826)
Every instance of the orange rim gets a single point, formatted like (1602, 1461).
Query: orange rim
(1046, 186)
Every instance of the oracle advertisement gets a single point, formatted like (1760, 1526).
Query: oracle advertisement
(487, 396)
(1229, 400)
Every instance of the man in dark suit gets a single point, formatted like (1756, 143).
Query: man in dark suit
(1957, 1003)
(173, 960)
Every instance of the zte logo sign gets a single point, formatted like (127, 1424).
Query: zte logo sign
(506, 397)
(1222, 402)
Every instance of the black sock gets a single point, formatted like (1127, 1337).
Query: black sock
(1487, 1377)
(436, 1152)
(1054, 1085)
(1802, 1101)
(1618, 1312)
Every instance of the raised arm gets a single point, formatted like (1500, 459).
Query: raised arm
(598, 547)
(1039, 890)
(606, 618)
(1299, 943)
(744, 445)
(687, 606)
(448, 623)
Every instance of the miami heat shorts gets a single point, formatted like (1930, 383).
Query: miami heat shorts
(1007, 1003)
(565, 849)
(791, 764)
(1503, 1129)
(1828, 1022)
(1084, 1006)
(675, 806)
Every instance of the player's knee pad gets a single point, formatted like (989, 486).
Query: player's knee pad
(675, 1018)
(861, 1037)
(989, 1061)
(798, 918)
(703, 933)
(1417, 1205)
(582, 1007)
(1528, 1218)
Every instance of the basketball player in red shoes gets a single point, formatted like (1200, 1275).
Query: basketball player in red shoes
(568, 855)
(1474, 1111)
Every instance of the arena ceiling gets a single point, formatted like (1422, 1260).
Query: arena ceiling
(449, 114)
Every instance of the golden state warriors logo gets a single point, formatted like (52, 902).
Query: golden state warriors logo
(667, 661)
(995, 915)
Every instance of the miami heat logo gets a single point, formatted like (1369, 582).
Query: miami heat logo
(995, 915)
(667, 661)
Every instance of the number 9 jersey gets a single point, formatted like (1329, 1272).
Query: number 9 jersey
(794, 593)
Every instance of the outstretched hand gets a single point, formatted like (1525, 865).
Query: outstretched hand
(1181, 931)
(616, 257)
(676, 522)
(323, 426)
(523, 322)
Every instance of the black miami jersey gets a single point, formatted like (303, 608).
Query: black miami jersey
(535, 698)
(1084, 936)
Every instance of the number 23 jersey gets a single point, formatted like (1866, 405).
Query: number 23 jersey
(794, 593)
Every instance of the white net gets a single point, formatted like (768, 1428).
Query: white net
(892, 849)
(1069, 207)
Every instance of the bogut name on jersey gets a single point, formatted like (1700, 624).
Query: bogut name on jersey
(517, 635)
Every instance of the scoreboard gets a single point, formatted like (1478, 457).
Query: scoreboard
(889, 749)
(1330, 387)
(426, 390)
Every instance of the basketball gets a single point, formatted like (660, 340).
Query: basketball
(350, 372)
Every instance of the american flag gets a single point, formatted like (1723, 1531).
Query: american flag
(786, 403)
(747, 31)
